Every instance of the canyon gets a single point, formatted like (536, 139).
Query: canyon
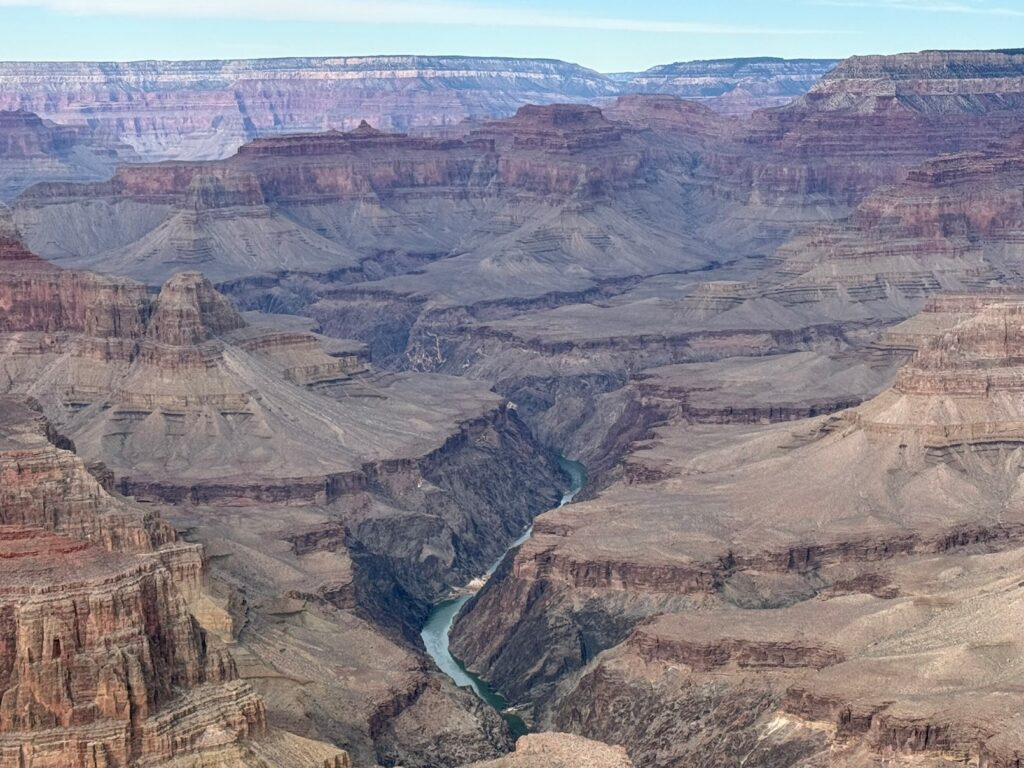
(206, 109)
(860, 614)
(177, 401)
(805, 559)
(779, 321)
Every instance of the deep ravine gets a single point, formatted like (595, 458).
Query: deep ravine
(436, 631)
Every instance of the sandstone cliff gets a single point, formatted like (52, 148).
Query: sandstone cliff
(206, 109)
(840, 680)
(101, 661)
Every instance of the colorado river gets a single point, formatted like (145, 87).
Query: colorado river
(439, 625)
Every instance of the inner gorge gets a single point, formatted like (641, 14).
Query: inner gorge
(436, 632)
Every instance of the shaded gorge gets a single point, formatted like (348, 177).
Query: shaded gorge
(436, 632)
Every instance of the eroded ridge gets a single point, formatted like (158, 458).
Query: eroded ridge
(838, 585)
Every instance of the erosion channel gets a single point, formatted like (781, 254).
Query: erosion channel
(438, 627)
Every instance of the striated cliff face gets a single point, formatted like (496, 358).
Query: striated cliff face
(207, 109)
(731, 86)
(787, 602)
(953, 224)
(35, 296)
(960, 388)
(871, 119)
(931, 82)
(101, 661)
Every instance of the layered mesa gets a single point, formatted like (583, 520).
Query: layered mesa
(207, 109)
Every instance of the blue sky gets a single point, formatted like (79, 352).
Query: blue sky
(607, 35)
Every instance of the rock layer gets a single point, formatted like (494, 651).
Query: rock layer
(731, 86)
(101, 662)
(787, 603)
(953, 224)
(34, 150)
(206, 109)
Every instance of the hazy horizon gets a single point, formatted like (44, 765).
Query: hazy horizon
(601, 35)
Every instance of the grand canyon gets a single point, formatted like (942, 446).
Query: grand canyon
(489, 412)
